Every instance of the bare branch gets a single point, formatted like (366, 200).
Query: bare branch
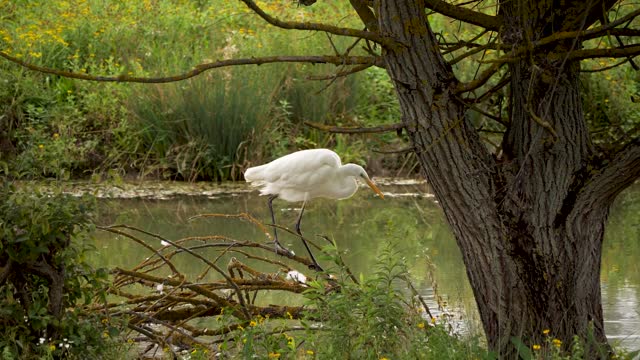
(629, 51)
(396, 151)
(481, 80)
(342, 73)
(366, 14)
(293, 25)
(460, 44)
(477, 18)
(591, 33)
(470, 52)
(355, 130)
(620, 172)
(606, 67)
(497, 119)
(198, 69)
(502, 83)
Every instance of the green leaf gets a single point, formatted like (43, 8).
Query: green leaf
(523, 350)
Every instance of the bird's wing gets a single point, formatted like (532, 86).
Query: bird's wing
(302, 169)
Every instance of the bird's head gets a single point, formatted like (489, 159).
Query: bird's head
(358, 172)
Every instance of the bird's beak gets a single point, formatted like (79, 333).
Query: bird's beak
(374, 188)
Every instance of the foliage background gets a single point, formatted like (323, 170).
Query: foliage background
(215, 125)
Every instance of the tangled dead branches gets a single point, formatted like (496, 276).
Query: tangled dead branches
(170, 310)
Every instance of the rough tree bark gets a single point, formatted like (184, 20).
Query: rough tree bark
(529, 223)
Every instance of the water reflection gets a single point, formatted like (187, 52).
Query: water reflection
(409, 219)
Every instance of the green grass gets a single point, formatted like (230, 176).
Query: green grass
(205, 128)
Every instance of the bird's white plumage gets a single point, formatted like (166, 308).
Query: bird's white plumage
(307, 174)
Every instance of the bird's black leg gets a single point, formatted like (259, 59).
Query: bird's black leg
(276, 243)
(315, 265)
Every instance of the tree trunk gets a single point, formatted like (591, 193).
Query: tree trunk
(530, 224)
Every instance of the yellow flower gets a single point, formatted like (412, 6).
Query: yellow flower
(536, 347)
(557, 342)
(274, 355)
(55, 136)
(546, 331)
(384, 358)
(289, 315)
(421, 325)
(253, 323)
(52, 347)
(40, 146)
(310, 352)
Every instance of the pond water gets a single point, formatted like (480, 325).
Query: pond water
(409, 218)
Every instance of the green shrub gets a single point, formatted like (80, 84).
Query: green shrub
(49, 295)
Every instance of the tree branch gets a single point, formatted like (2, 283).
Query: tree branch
(293, 25)
(198, 69)
(481, 80)
(366, 15)
(620, 172)
(622, 62)
(355, 130)
(628, 51)
(488, 22)
(591, 33)
(342, 73)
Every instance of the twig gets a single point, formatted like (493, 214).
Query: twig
(372, 36)
(355, 130)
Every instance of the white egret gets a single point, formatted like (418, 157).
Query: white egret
(304, 175)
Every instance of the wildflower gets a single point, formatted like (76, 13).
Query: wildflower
(536, 347)
(274, 355)
(310, 352)
(40, 146)
(56, 135)
(433, 320)
(253, 323)
(384, 358)
(557, 342)
(421, 325)
(546, 331)
(289, 315)
(104, 321)
(52, 347)
(69, 91)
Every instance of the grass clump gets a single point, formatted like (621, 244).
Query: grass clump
(376, 319)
